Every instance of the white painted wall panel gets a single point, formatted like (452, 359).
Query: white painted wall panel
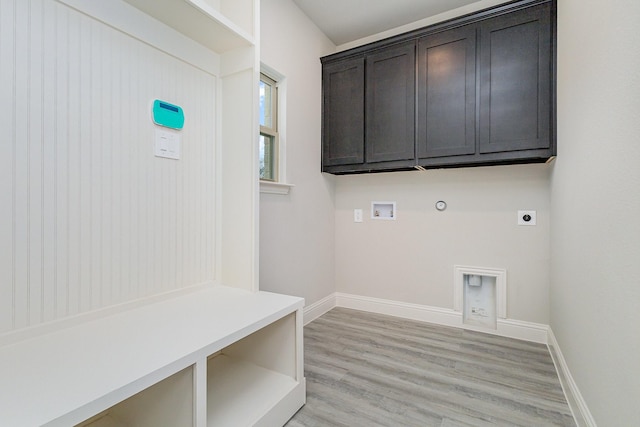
(89, 217)
(49, 168)
(595, 188)
(239, 231)
(21, 167)
(412, 258)
(7, 146)
(297, 230)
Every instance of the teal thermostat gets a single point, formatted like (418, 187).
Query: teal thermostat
(167, 115)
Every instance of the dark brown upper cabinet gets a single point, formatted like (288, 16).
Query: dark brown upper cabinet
(390, 105)
(369, 111)
(343, 113)
(484, 94)
(515, 81)
(447, 93)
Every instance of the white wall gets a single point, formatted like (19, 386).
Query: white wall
(595, 199)
(89, 218)
(411, 259)
(296, 230)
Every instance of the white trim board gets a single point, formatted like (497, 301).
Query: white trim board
(318, 308)
(577, 404)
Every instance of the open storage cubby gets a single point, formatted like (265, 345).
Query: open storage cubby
(169, 402)
(255, 372)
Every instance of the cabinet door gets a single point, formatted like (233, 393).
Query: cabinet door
(515, 73)
(343, 113)
(447, 93)
(390, 104)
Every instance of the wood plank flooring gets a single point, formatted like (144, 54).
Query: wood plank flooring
(366, 369)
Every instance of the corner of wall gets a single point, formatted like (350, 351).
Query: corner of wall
(577, 404)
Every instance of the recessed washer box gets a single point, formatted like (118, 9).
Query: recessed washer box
(383, 210)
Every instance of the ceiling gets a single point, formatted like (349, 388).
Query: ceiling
(344, 21)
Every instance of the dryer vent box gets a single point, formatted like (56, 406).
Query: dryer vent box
(480, 294)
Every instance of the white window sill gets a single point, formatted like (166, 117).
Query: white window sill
(275, 187)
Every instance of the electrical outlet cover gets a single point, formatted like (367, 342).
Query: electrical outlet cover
(357, 215)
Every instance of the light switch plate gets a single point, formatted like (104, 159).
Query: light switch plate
(167, 144)
(526, 217)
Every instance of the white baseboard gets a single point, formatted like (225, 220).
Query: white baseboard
(527, 331)
(578, 406)
(440, 316)
(318, 308)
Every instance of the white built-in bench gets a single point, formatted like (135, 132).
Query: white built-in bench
(216, 356)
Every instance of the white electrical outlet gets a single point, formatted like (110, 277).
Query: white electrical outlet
(357, 215)
(526, 217)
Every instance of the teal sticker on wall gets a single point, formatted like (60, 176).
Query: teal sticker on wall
(167, 115)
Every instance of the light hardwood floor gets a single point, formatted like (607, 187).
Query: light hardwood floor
(366, 369)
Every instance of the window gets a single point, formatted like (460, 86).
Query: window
(273, 138)
(268, 129)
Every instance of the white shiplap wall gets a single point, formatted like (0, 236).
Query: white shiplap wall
(89, 218)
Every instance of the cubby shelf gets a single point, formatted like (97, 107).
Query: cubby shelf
(260, 389)
(199, 21)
